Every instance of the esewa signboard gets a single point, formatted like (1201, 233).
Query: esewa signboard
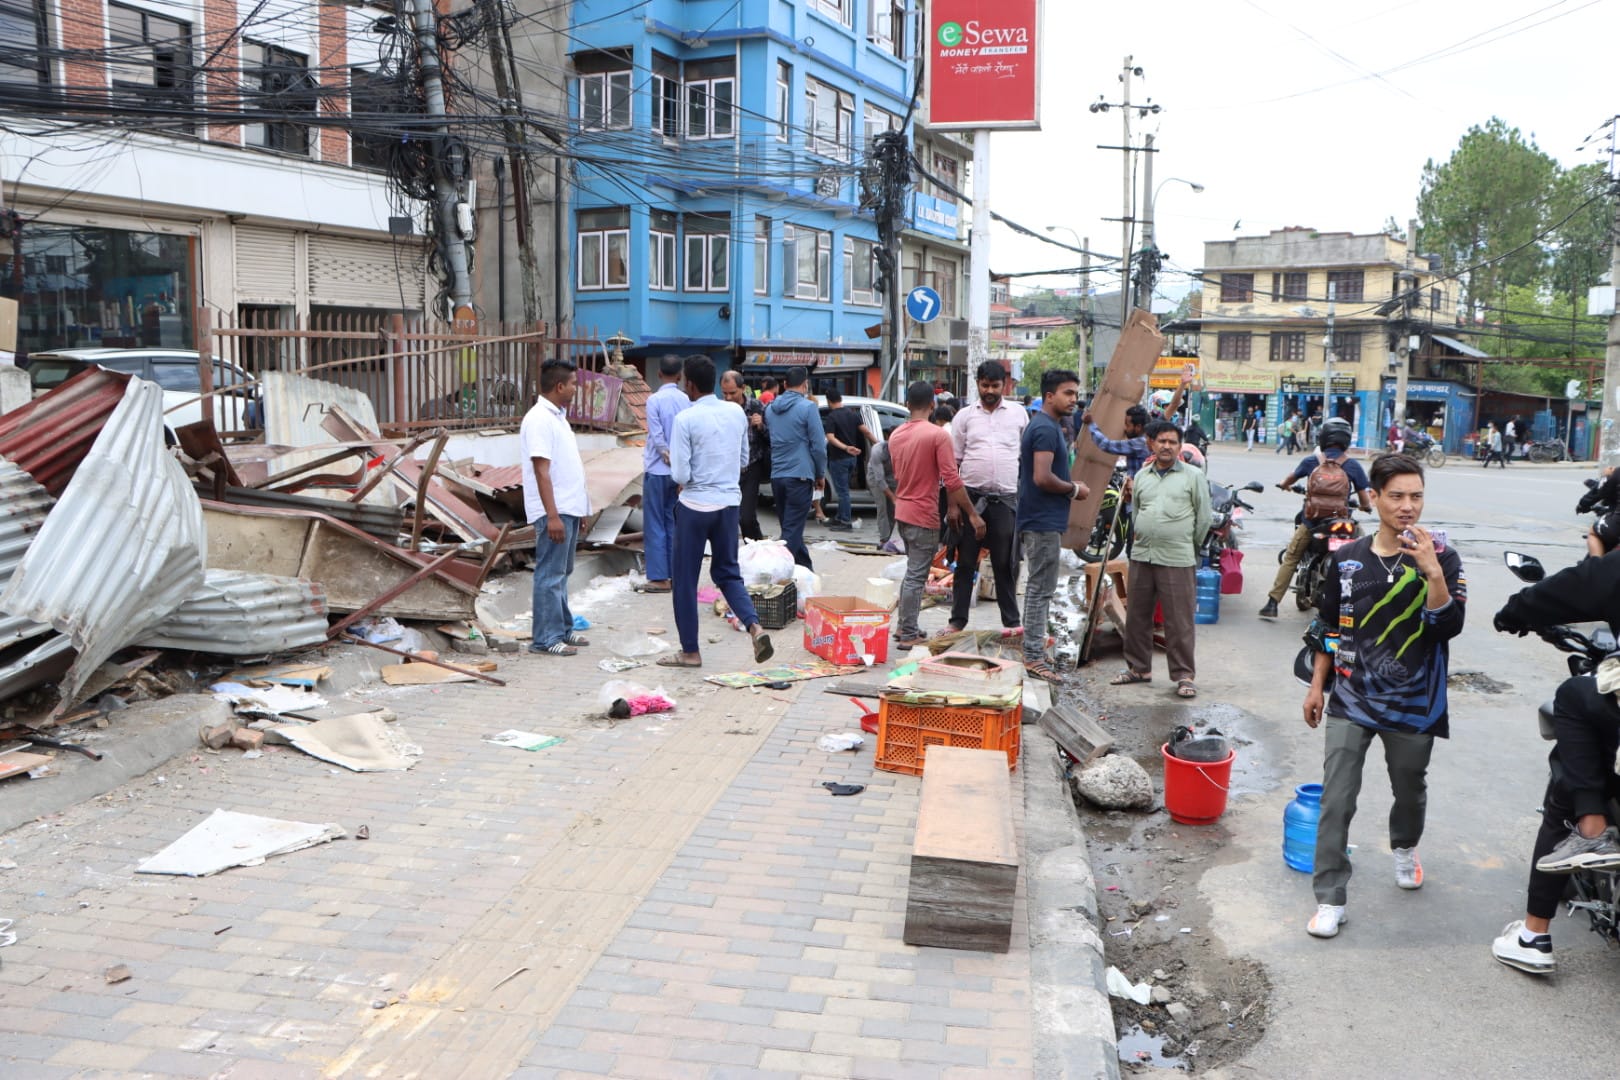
(984, 64)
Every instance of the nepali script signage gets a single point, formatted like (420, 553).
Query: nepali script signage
(936, 217)
(984, 64)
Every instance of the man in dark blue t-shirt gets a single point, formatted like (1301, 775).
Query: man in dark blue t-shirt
(1333, 444)
(1044, 494)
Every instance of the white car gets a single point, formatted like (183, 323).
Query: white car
(880, 417)
(175, 370)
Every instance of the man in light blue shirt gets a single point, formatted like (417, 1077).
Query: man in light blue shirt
(708, 445)
(657, 489)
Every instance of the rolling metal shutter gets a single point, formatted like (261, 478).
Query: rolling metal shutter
(266, 266)
(349, 272)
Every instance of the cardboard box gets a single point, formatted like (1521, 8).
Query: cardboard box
(840, 629)
(8, 328)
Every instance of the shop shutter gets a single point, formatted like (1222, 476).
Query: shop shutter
(266, 266)
(349, 272)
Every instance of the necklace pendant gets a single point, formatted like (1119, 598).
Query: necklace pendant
(1391, 579)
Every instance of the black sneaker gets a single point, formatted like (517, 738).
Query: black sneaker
(1270, 610)
(840, 526)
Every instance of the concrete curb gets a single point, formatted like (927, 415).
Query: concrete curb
(1074, 1022)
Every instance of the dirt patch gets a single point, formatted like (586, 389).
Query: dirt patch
(1209, 1007)
(1478, 682)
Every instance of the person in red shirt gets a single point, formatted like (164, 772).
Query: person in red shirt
(924, 459)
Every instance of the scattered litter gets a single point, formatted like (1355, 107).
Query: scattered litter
(637, 645)
(782, 673)
(824, 545)
(708, 594)
(379, 630)
(580, 622)
(304, 675)
(8, 864)
(1121, 987)
(1161, 918)
(1185, 930)
(117, 973)
(268, 701)
(248, 754)
(363, 832)
(844, 740)
(843, 789)
(360, 742)
(228, 839)
(621, 699)
(765, 562)
(509, 978)
(17, 762)
(433, 674)
(601, 589)
(8, 936)
(615, 664)
(523, 740)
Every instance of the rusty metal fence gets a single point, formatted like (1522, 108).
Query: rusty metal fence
(418, 373)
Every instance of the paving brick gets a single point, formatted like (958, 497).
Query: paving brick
(715, 1053)
(783, 1001)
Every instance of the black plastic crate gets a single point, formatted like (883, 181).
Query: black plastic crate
(777, 609)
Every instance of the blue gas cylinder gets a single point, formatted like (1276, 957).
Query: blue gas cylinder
(1299, 827)
(1209, 596)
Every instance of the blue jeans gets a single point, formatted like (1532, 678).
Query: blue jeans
(839, 470)
(552, 565)
(658, 497)
(792, 508)
(718, 529)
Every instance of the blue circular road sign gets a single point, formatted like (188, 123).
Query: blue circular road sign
(922, 304)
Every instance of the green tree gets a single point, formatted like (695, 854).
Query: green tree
(1580, 245)
(1531, 325)
(1059, 350)
(1482, 208)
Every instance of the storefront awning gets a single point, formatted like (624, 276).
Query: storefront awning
(1466, 350)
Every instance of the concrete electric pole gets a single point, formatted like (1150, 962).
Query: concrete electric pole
(1144, 270)
(449, 206)
(1609, 447)
(1403, 348)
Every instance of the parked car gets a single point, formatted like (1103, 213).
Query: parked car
(175, 370)
(880, 417)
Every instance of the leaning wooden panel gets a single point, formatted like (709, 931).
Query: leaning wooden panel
(964, 863)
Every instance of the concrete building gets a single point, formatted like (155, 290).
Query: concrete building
(935, 253)
(1263, 327)
(719, 148)
(125, 233)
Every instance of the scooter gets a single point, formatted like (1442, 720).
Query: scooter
(1596, 892)
(1226, 509)
(1329, 536)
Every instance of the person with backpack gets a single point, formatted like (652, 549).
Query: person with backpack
(1331, 477)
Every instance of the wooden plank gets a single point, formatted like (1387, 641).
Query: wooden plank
(422, 675)
(964, 860)
(18, 762)
(1076, 732)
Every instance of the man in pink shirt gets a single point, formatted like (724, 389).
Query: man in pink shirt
(987, 436)
(923, 460)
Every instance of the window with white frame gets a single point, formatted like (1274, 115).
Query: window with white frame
(150, 60)
(829, 113)
(708, 252)
(603, 252)
(762, 256)
(886, 26)
(842, 10)
(806, 263)
(604, 101)
(278, 82)
(661, 251)
(860, 272)
(784, 101)
(711, 99)
(876, 122)
(665, 91)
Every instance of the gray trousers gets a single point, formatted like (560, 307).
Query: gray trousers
(921, 547)
(885, 517)
(1345, 751)
(1173, 588)
(1043, 550)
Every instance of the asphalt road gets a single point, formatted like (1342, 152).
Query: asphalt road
(1409, 987)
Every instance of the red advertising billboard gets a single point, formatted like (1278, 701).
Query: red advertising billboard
(984, 64)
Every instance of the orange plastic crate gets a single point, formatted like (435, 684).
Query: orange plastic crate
(905, 732)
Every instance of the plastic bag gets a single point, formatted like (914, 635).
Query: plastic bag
(765, 562)
(633, 644)
(621, 698)
(843, 740)
(895, 571)
(807, 583)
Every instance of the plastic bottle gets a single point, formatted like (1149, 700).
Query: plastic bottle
(1209, 596)
(1299, 827)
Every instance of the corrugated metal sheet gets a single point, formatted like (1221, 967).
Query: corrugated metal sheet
(122, 547)
(34, 664)
(23, 506)
(498, 477)
(244, 614)
(48, 437)
(295, 405)
(383, 522)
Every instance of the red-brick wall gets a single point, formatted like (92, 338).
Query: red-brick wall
(222, 82)
(82, 24)
(332, 51)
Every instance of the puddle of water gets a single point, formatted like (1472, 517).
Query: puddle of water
(1137, 1045)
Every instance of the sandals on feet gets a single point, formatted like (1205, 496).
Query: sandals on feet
(1043, 671)
(676, 660)
(1129, 678)
(1186, 689)
(763, 649)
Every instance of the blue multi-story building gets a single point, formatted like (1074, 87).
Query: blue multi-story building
(718, 150)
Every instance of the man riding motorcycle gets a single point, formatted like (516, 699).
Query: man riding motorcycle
(1333, 444)
(1575, 831)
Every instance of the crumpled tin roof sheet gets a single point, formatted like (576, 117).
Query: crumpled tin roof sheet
(122, 548)
(239, 613)
(34, 663)
(23, 506)
(48, 437)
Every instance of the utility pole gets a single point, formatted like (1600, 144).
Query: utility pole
(1146, 271)
(1082, 334)
(446, 184)
(1609, 448)
(892, 183)
(1403, 348)
(979, 263)
(1127, 211)
(496, 31)
(1327, 357)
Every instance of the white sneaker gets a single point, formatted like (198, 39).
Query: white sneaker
(1533, 956)
(1408, 870)
(1327, 920)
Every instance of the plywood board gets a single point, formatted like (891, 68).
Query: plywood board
(964, 861)
(1124, 384)
(423, 675)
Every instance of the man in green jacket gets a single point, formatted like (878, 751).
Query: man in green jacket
(1170, 501)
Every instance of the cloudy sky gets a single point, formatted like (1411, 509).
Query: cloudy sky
(1288, 113)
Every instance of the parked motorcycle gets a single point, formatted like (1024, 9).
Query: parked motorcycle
(1113, 525)
(1329, 536)
(1226, 514)
(1543, 451)
(1596, 892)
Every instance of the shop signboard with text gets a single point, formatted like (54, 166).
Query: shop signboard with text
(1239, 384)
(984, 64)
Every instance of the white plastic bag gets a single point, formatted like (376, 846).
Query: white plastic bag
(807, 584)
(895, 571)
(843, 740)
(633, 644)
(765, 562)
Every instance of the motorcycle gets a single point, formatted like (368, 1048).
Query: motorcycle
(1596, 892)
(1419, 444)
(1113, 525)
(1329, 536)
(1226, 513)
(1543, 451)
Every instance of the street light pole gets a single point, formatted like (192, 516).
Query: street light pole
(1080, 332)
(1149, 272)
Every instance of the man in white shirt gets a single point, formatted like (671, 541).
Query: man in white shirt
(987, 436)
(555, 500)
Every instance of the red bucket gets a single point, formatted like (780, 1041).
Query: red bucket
(1195, 791)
